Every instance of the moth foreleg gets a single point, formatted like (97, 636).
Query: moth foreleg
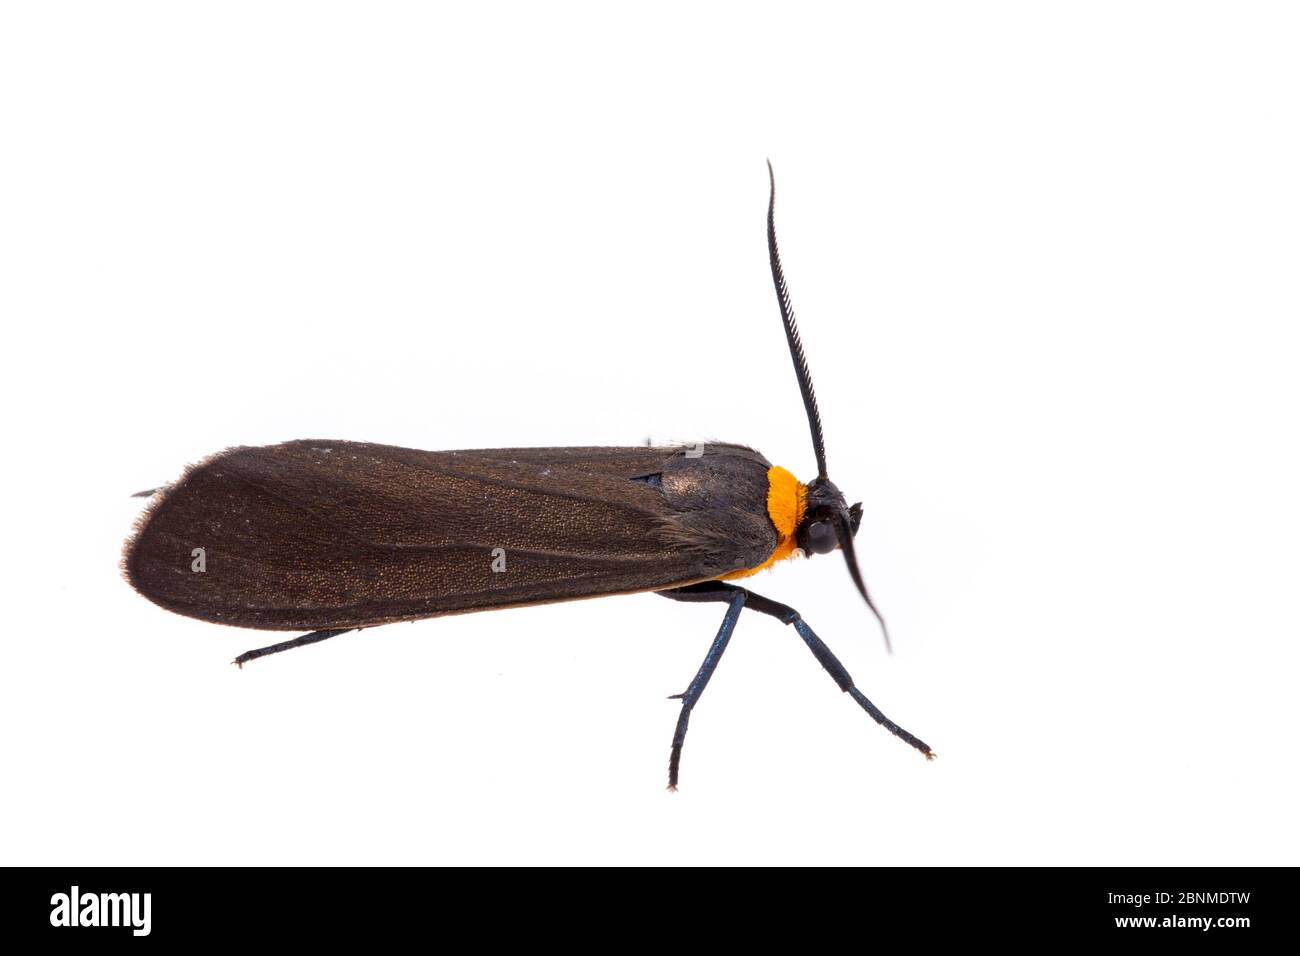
(721, 591)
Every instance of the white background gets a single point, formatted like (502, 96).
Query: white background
(1045, 260)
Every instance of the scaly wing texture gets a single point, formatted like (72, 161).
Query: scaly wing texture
(320, 534)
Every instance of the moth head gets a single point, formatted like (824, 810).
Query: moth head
(825, 513)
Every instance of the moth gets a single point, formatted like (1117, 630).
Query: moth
(329, 537)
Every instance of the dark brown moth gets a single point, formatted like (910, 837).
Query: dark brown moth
(330, 536)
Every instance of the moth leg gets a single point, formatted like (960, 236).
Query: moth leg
(721, 591)
(303, 641)
(692, 695)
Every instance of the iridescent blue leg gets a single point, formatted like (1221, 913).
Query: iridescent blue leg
(721, 591)
(688, 699)
(311, 638)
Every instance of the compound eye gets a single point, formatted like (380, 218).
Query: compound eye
(821, 537)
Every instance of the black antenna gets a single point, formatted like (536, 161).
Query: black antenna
(792, 333)
(844, 532)
(842, 521)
